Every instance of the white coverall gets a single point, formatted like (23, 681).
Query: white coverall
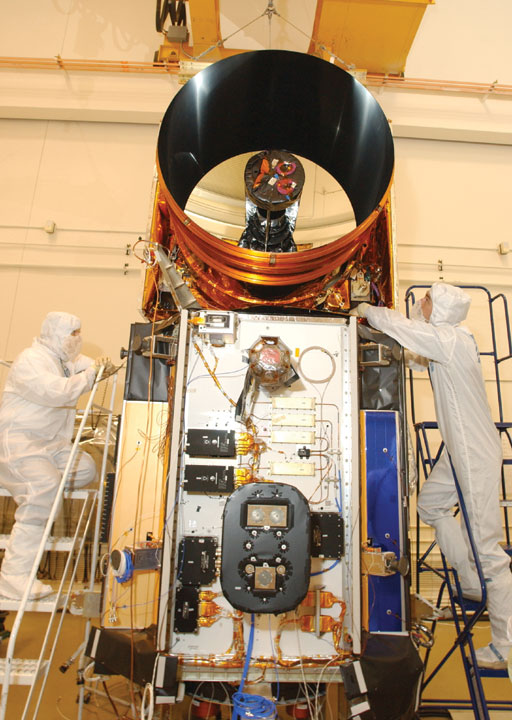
(470, 436)
(37, 414)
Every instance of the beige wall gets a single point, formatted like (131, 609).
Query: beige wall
(94, 181)
(78, 148)
(451, 211)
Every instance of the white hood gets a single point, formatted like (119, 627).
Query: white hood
(56, 330)
(450, 304)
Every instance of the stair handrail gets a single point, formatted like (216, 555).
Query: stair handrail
(58, 606)
(9, 655)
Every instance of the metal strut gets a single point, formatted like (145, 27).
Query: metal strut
(465, 613)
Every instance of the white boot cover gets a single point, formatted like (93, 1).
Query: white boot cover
(19, 557)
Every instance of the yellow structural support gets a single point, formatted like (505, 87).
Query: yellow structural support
(373, 35)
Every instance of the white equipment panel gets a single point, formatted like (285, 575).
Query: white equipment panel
(275, 438)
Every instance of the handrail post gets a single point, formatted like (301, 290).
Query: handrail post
(53, 512)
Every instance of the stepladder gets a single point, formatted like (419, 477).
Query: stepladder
(465, 615)
(434, 574)
(69, 547)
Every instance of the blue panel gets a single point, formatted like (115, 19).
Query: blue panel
(383, 517)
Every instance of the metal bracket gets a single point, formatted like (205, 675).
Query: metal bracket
(382, 564)
(149, 346)
(374, 355)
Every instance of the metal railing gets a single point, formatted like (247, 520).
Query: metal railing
(91, 501)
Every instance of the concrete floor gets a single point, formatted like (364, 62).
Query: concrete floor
(60, 698)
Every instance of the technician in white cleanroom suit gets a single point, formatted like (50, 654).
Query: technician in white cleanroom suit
(471, 438)
(37, 414)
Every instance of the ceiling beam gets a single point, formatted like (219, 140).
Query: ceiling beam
(372, 35)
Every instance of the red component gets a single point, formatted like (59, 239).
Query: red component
(299, 711)
(270, 355)
(285, 186)
(286, 168)
(205, 710)
(269, 361)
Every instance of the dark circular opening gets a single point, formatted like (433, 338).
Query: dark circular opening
(276, 98)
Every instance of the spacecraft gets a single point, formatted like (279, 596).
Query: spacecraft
(274, 101)
(273, 183)
(259, 533)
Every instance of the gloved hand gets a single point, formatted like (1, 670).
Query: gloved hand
(360, 310)
(108, 367)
